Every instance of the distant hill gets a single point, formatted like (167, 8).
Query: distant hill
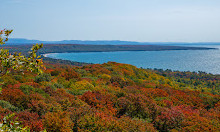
(69, 48)
(21, 41)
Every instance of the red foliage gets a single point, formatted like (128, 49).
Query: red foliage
(14, 96)
(169, 119)
(99, 101)
(154, 92)
(70, 74)
(31, 120)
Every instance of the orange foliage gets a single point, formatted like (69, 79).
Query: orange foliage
(57, 121)
(110, 97)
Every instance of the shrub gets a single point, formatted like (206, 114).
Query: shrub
(82, 85)
(7, 105)
(31, 120)
(15, 97)
(55, 73)
(70, 74)
(57, 122)
(18, 78)
(26, 89)
(42, 77)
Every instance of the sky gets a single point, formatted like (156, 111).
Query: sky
(129, 20)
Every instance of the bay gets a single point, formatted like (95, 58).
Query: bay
(181, 60)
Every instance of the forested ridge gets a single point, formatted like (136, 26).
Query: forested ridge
(111, 97)
(62, 48)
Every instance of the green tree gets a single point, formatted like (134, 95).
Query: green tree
(10, 124)
(16, 62)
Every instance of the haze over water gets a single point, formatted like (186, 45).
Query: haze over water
(182, 60)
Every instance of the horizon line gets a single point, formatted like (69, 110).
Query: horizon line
(114, 40)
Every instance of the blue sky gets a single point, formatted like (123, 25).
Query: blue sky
(132, 20)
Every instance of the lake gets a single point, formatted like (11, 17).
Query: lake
(181, 60)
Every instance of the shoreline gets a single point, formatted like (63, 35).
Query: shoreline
(90, 62)
(202, 48)
(46, 55)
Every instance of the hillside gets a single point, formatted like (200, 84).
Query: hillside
(63, 48)
(22, 41)
(112, 97)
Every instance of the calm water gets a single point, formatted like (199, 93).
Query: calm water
(182, 60)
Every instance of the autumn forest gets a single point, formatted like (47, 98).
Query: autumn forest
(111, 97)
